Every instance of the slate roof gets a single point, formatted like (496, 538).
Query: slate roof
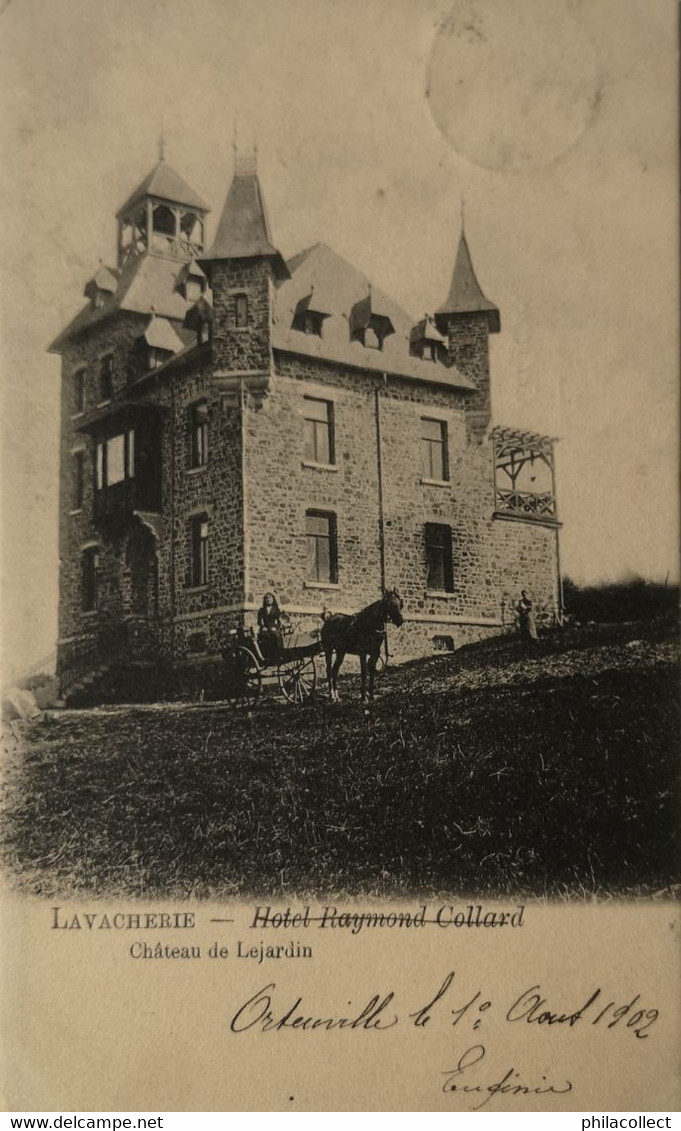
(244, 231)
(338, 288)
(465, 294)
(163, 182)
(146, 283)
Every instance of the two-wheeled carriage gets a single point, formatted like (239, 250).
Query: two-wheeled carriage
(288, 662)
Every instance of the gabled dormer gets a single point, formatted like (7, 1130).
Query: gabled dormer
(368, 325)
(100, 286)
(163, 216)
(426, 341)
(309, 315)
(158, 344)
(192, 282)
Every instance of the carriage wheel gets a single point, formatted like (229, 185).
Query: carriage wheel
(297, 679)
(242, 679)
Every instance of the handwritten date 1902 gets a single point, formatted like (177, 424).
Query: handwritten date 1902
(534, 1007)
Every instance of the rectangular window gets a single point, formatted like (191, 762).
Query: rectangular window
(79, 391)
(90, 563)
(115, 459)
(199, 434)
(439, 573)
(106, 378)
(79, 479)
(318, 431)
(434, 449)
(322, 556)
(198, 574)
(241, 311)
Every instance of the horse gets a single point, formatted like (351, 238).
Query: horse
(361, 635)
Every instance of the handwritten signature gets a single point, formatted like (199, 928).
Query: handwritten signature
(510, 1084)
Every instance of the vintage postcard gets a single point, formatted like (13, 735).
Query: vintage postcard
(340, 646)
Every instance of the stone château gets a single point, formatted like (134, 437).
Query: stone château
(233, 422)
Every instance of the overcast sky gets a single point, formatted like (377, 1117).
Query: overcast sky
(554, 119)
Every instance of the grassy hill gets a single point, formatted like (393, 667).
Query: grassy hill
(491, 771)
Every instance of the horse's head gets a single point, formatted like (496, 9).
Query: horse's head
(392, 607)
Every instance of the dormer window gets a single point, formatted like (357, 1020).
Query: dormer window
(367, 325)
(100, 286)
(426, 341)
(159, 343)
(308, 318)
(191, 282)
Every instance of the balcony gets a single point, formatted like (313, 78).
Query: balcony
(524, 482)
(114, 504)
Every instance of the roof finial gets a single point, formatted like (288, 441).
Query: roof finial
(162, 141)
(235, 138)
(463, 213)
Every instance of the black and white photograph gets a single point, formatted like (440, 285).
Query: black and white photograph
(340, 501)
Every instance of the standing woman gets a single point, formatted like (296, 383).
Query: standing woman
(527, 618)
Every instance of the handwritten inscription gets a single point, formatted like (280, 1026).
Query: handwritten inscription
(461, 1079)
(270, 1011)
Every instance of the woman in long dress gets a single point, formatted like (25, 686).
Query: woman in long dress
(270, 636)
(527, 618)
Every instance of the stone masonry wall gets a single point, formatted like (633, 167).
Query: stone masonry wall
(76, 526)
(214, 490)
(468, 350)
(492, 560)
(256, 488)
(241, 349)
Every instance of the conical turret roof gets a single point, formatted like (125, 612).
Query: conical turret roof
(164, 183)
(243, 231)
(465, 294)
